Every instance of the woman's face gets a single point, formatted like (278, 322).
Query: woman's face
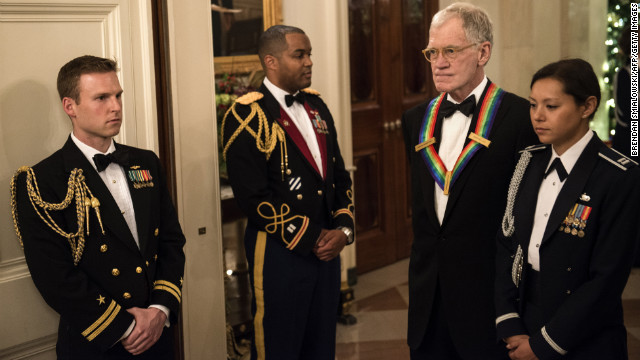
(556, 118)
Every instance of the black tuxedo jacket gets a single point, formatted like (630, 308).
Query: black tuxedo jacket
(291, 206)
(459, 253)
(113, 273)
(581, 278)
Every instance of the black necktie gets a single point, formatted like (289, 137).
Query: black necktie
(289, 99)
(119, 157)
(466, 107)
(557, 165)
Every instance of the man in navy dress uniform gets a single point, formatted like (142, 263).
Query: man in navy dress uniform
(100, 234)
(289, 178)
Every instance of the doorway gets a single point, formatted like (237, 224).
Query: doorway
(388, 76)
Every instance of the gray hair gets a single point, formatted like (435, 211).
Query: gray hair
(477, 26)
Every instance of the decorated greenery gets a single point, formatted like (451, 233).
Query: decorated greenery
(617, 20)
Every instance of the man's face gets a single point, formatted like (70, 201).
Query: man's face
(97, 115)
(460, 75)
(293, 66)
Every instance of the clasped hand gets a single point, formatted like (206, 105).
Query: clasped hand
(519, 348)
(330, 244)
(149, 325)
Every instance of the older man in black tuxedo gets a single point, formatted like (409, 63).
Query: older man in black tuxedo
(462, 148)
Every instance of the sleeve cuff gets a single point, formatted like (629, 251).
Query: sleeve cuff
(508, 325)
(166, 312)
(545, 347)
(128, 332)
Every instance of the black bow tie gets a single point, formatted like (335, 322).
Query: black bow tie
(466, 107)
(557, 165)
(120, 157)
(289, 99)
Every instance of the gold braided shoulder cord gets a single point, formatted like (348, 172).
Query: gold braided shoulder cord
(77, 190)
(266, 138)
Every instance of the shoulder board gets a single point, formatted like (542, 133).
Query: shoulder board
(310, 91)
(532, 148)
(249, 98)
(617, 159)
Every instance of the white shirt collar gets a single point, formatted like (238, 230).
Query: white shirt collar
(89, 152)
(570, 157)
(277, 93)
(477, 91)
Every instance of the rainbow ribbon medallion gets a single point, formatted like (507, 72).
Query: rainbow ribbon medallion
(479, 138)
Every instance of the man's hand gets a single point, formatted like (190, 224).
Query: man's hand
(330, 244)
(519, 348)
(149, 325)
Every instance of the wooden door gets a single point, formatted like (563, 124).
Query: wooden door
(388, 76)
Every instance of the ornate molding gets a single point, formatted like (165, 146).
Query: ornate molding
(14, 269)
(31, 348)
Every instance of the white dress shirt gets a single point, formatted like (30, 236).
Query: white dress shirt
(300, 118)
(116, 181)
(548, 193)
(453, 137)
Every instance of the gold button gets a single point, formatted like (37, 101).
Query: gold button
(155, 257)
(568, 292)
(334, 185)
(319, 192)
(288, 171)
(299, 196)
(113, 181)
(156, 232)
(147, 263)
(115, 272)
(334, 159)
(569, 269)
(122, 212)
(139, 270)
(103, 248)
(126, 295)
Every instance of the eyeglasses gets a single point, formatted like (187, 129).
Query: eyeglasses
(449, 53)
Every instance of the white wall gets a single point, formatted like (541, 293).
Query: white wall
(192, 80)
(530, 34)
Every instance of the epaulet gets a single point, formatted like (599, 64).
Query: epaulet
(617, 159)
(533, 148)
(310, 91)
(249, 98)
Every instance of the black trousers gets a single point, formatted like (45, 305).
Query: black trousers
(295, 302)
(438, 344)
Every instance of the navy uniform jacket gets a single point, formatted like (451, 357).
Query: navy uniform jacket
(460, 253)
(113, 274)
(581, 278)
(282, 193)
